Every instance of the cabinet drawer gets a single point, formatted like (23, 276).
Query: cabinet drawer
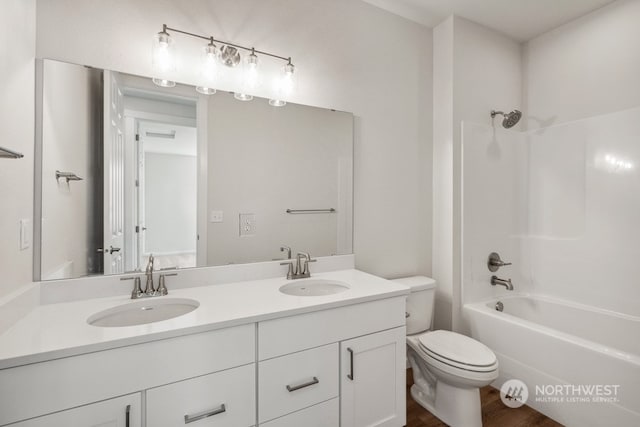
(296, 381)
(289, 334)
(222, 399)
(71, 381)
(122, 411)
(325, 414)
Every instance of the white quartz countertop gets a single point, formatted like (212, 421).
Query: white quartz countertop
(60, 330)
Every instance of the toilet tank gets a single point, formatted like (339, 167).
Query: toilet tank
(419, 302)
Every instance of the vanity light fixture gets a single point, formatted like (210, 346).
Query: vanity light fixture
(227, 54)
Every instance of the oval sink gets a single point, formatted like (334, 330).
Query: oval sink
(314, 287)
(142, 312)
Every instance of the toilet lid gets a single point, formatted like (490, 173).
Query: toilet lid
(457, 348)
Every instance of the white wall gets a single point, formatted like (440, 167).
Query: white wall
(17, 50)
(343, 63)
(585, 68)
(477, 70)
(265, 160)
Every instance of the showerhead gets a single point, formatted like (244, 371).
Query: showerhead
(510, 119)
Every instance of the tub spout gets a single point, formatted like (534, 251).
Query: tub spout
(495, 280)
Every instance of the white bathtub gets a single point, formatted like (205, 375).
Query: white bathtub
(549, 342)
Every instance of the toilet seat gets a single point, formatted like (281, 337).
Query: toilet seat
(458, 351)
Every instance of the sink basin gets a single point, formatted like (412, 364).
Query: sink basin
(314, 287)
(143, 312)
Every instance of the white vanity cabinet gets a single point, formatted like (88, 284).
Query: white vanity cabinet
(341, 366)
(123, 411)
(304, 361)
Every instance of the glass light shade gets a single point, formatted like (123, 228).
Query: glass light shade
(250, 74)
(285, 84)
(242, 96)
(163, 53)
(163, 82)
(208, 65)
(277, 103)
(205, 90)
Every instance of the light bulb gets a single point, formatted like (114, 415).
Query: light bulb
(163, 82)
(205, 90)
(208, 67)
(163, 59)
(250, 78)
(242, 96)
(277, 103)
(285, 84)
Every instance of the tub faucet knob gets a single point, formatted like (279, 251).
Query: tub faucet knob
(494, 262)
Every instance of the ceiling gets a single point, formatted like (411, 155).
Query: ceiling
(520, 19)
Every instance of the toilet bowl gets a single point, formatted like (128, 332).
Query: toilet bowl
(448, 368)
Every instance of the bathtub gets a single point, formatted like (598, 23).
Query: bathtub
(559, 349)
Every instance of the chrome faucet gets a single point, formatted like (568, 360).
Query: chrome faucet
(149, 290)
(301, 270)
(495, 280)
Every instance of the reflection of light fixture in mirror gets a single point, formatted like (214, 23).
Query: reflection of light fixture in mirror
(162, 57)
(242, 96)
(163, 82)
(277, 103)
(208, 68)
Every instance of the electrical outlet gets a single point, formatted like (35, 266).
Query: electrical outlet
(216, 216)
(247, 224)
(25, 234)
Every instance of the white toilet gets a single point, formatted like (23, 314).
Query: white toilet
(448, 368)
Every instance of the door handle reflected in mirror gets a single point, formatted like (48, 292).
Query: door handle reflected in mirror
(111, 250)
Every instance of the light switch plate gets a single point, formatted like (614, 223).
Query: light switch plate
(216, 216)
(25, 234)
(247, 224)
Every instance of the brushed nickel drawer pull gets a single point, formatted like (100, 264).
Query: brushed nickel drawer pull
(315, 380)
(350, 375)
(191, 418)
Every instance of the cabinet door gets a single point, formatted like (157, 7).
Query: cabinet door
(372, 380)
(120, 412)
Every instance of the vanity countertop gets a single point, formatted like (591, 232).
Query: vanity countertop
(60, 330)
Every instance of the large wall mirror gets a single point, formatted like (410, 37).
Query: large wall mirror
(126, 169)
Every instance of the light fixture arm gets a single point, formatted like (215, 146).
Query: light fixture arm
(211, 39)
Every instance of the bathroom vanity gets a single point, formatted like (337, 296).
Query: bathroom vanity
(248, 355)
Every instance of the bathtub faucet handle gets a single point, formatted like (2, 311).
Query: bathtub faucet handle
(494, 262)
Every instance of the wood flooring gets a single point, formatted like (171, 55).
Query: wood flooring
(494, 412)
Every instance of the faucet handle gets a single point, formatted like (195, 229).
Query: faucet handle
(290, 272)
(286, 248)
(137, 290)
(162, 288)
(494, 262)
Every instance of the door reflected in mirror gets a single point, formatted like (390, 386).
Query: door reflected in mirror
(194, 180)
